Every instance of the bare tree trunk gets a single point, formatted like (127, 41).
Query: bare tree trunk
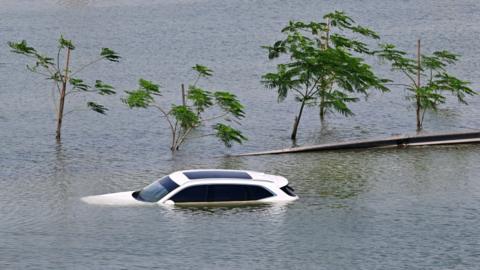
(322, 109)
(417, 96)
(297, 122)
(61, 104)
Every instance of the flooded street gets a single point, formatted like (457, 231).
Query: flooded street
(416, 208)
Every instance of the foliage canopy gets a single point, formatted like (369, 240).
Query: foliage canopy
(184, 118)
(324, 67)
(64, 78)
(427, 78)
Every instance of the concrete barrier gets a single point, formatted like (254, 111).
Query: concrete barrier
(395, 141)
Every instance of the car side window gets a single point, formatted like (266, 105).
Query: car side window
(191, 194)
(227, 193)
(258, 193)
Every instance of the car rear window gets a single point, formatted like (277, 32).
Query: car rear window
(289, 190)
(258, 193)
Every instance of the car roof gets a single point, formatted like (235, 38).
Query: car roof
(245, 176)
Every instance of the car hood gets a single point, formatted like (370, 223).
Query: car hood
(118, 199)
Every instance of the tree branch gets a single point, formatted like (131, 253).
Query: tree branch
(58, 58)
(165, 114)
(298, 91)
(85, 66)
(183, 137)
(196, 80)
(215, 117)
(54, 99)
(411, 78)
(397, 84)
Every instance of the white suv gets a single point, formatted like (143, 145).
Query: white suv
(204, 186)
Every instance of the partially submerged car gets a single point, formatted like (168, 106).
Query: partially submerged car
(204, 186)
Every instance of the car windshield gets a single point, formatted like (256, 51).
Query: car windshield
(156, 190)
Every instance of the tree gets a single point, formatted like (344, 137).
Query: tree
(427, 78)
(64, 78)
(324, 68)
(197, 109)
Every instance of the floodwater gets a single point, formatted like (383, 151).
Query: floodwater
(382, 209)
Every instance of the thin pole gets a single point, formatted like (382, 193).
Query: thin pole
(62, 97)
(418, 62)
(419, 122)
(184, 102)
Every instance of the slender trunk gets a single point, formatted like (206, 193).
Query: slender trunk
(417, 96)
(174, 138)
(322, 108)
(297, 121)
(61, 104)
(327, 39)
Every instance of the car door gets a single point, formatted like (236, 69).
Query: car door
(227, 193)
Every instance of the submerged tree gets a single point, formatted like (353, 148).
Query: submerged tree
(64, 78)
(324, 68)
(198, 108)
(427, 77)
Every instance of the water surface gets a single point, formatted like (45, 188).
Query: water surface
(383, 209)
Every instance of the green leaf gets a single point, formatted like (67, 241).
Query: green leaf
(337, 101)
(397, 59)
(228, 135)
(229, 102)
(149, 86)
(43, 61)
(201, 99)
(97, 107)
(78, 84)
(339, 19)
(446, 56)
(138, 99)
(103, 88)
(428, 97)
(340, 41)
(63, 43)
(21, 48)
(142, 97)
(365, 32)
(447, 82)
(284, 80)
(203, 71)
(185, 116)
(110, 55)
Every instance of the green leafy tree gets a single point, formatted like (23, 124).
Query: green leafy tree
(64, 78)
(427, 78)
(324, 67)
(199, 107)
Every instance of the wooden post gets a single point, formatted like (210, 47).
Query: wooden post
(419, 122)
(184, 101)
(62, 98)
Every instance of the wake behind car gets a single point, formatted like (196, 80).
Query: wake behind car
(204, 186)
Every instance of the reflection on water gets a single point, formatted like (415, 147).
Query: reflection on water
(272, 210)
